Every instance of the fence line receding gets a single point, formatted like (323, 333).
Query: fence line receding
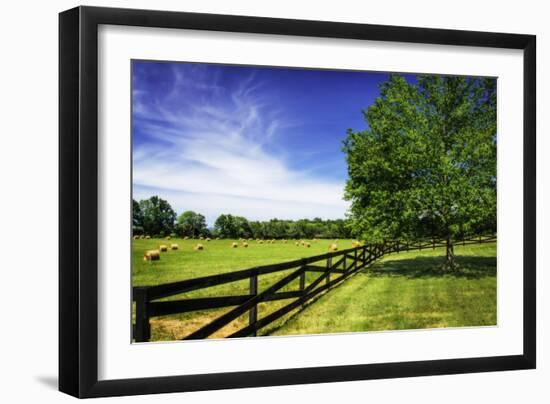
(339, 264)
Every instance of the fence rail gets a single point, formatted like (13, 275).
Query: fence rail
(341, 264)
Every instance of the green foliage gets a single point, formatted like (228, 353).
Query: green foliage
(137, 218)
(191, 224)
(157, 216)
(426, 165)
(229, 226)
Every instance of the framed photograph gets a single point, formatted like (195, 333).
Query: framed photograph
(250, 201)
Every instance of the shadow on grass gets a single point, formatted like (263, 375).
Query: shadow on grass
(423, 267)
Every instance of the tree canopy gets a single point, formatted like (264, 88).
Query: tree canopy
(191, 224)
(229, 226)
(137, 218)
(154, 215)
(426, 164)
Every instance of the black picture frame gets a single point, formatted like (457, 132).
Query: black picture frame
(78, 201)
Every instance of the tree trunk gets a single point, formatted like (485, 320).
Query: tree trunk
(450, 262)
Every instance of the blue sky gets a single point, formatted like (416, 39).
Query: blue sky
(261, 142)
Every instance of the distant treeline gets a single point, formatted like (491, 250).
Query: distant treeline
(155, 217)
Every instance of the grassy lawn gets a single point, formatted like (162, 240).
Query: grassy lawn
(402, 291)
(407, 291)
(217, 257)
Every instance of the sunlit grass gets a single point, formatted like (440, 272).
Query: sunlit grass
(402, 291)
(407, 291)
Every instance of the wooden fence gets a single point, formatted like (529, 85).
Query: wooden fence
(332, 267)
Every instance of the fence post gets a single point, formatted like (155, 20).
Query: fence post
(253, 313)
(344, 263)
(355, 260)
(329, 264)
(433, 243)
(302, 279)
(143, 327)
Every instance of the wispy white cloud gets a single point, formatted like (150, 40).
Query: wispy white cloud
(209, 149)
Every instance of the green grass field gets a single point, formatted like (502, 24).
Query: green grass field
(407, 291)
(402, 291)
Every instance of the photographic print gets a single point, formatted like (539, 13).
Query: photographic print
(277, 201)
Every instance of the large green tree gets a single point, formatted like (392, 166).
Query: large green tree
(191, 224)
(426, 165)
(158, 216)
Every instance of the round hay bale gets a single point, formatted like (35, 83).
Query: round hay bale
(135, 237)
(198, 247)
(201, 238)
(151, 255)
(168, 237)
(307, 245)
(173, 246)
(186, 238)
(297, 243)
(245, 244)
(163, 248)
(234, 245)
(207, 238)
(260, 241)
(333, 247)
(147, 237)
